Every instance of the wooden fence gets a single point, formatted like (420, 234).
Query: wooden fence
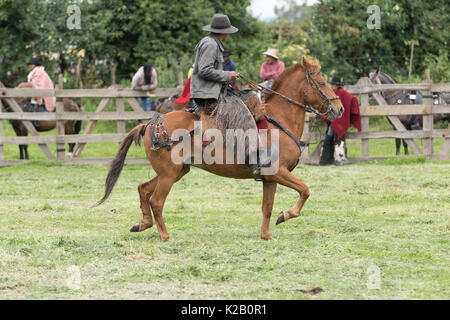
(364, 88)
(115, 95)
(118, 95)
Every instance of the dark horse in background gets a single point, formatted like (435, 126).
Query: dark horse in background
(411, 122)
(70, 126)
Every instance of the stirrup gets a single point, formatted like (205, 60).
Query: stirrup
(256, 172)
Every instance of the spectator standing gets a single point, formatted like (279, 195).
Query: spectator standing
(145, 79)
(338, 128)
(228, 65)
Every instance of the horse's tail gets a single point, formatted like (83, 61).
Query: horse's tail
(117, 164)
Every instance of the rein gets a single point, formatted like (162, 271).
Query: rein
(307, 108)
(314, 85)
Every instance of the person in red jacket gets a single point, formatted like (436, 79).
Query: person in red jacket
(338, 128)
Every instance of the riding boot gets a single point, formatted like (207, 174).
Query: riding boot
(260, 155)
(327, 156)
(265, 158)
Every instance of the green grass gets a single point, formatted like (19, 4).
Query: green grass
(393, 214)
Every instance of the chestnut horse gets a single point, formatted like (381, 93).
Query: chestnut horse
(302, 83)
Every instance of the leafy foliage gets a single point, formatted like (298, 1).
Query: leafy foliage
(118, 36)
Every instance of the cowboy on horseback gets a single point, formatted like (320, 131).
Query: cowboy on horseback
(208, 74)
(39, 79)
(208, 78)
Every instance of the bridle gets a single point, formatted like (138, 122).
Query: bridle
(309, 80)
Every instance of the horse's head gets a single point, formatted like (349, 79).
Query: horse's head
(374, 76)
(318, 94)
(378, 77)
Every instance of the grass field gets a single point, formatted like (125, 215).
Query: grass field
(391, 216)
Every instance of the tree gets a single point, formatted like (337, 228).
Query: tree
(348, 48)
(18, 38)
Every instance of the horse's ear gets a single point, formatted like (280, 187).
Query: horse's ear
(304, 62)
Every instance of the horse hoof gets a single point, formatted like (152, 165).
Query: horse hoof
(136, 227)
(280, 218)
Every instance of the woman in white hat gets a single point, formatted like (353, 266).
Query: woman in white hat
(272, 67)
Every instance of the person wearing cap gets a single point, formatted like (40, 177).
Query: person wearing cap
(208, 74)
(339, 127)
(272, 67)
(39, 79)
(228, 65)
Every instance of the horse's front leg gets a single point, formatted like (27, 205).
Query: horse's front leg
(23, 148)
(287, 179)
(269, 189)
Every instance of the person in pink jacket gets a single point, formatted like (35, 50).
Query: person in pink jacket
(39, 79)
(271, 68)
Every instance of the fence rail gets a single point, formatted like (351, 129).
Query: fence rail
(117, 96)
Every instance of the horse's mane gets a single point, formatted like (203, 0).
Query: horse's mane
(289, 71)
(388, 77)
(383, 75)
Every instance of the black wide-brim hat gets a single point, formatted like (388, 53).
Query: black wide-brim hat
(336, 81)
(34, 61)
(221, 24)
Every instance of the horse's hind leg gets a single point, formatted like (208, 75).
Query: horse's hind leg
(21, 151)
(398, 144)
(287, 179)
(145, 192)
(405, 146)
(69, 129)
(76, 130)
(156, 204)
(165, 183)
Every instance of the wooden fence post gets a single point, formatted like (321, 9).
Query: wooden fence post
(60, 131)
(304, 156)
(364, 119)
(427, 141)
(90, 127)
(365, 128)
(2, 157)
(180, 79)
(120, 108)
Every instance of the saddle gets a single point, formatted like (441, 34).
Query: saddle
(215, 113)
